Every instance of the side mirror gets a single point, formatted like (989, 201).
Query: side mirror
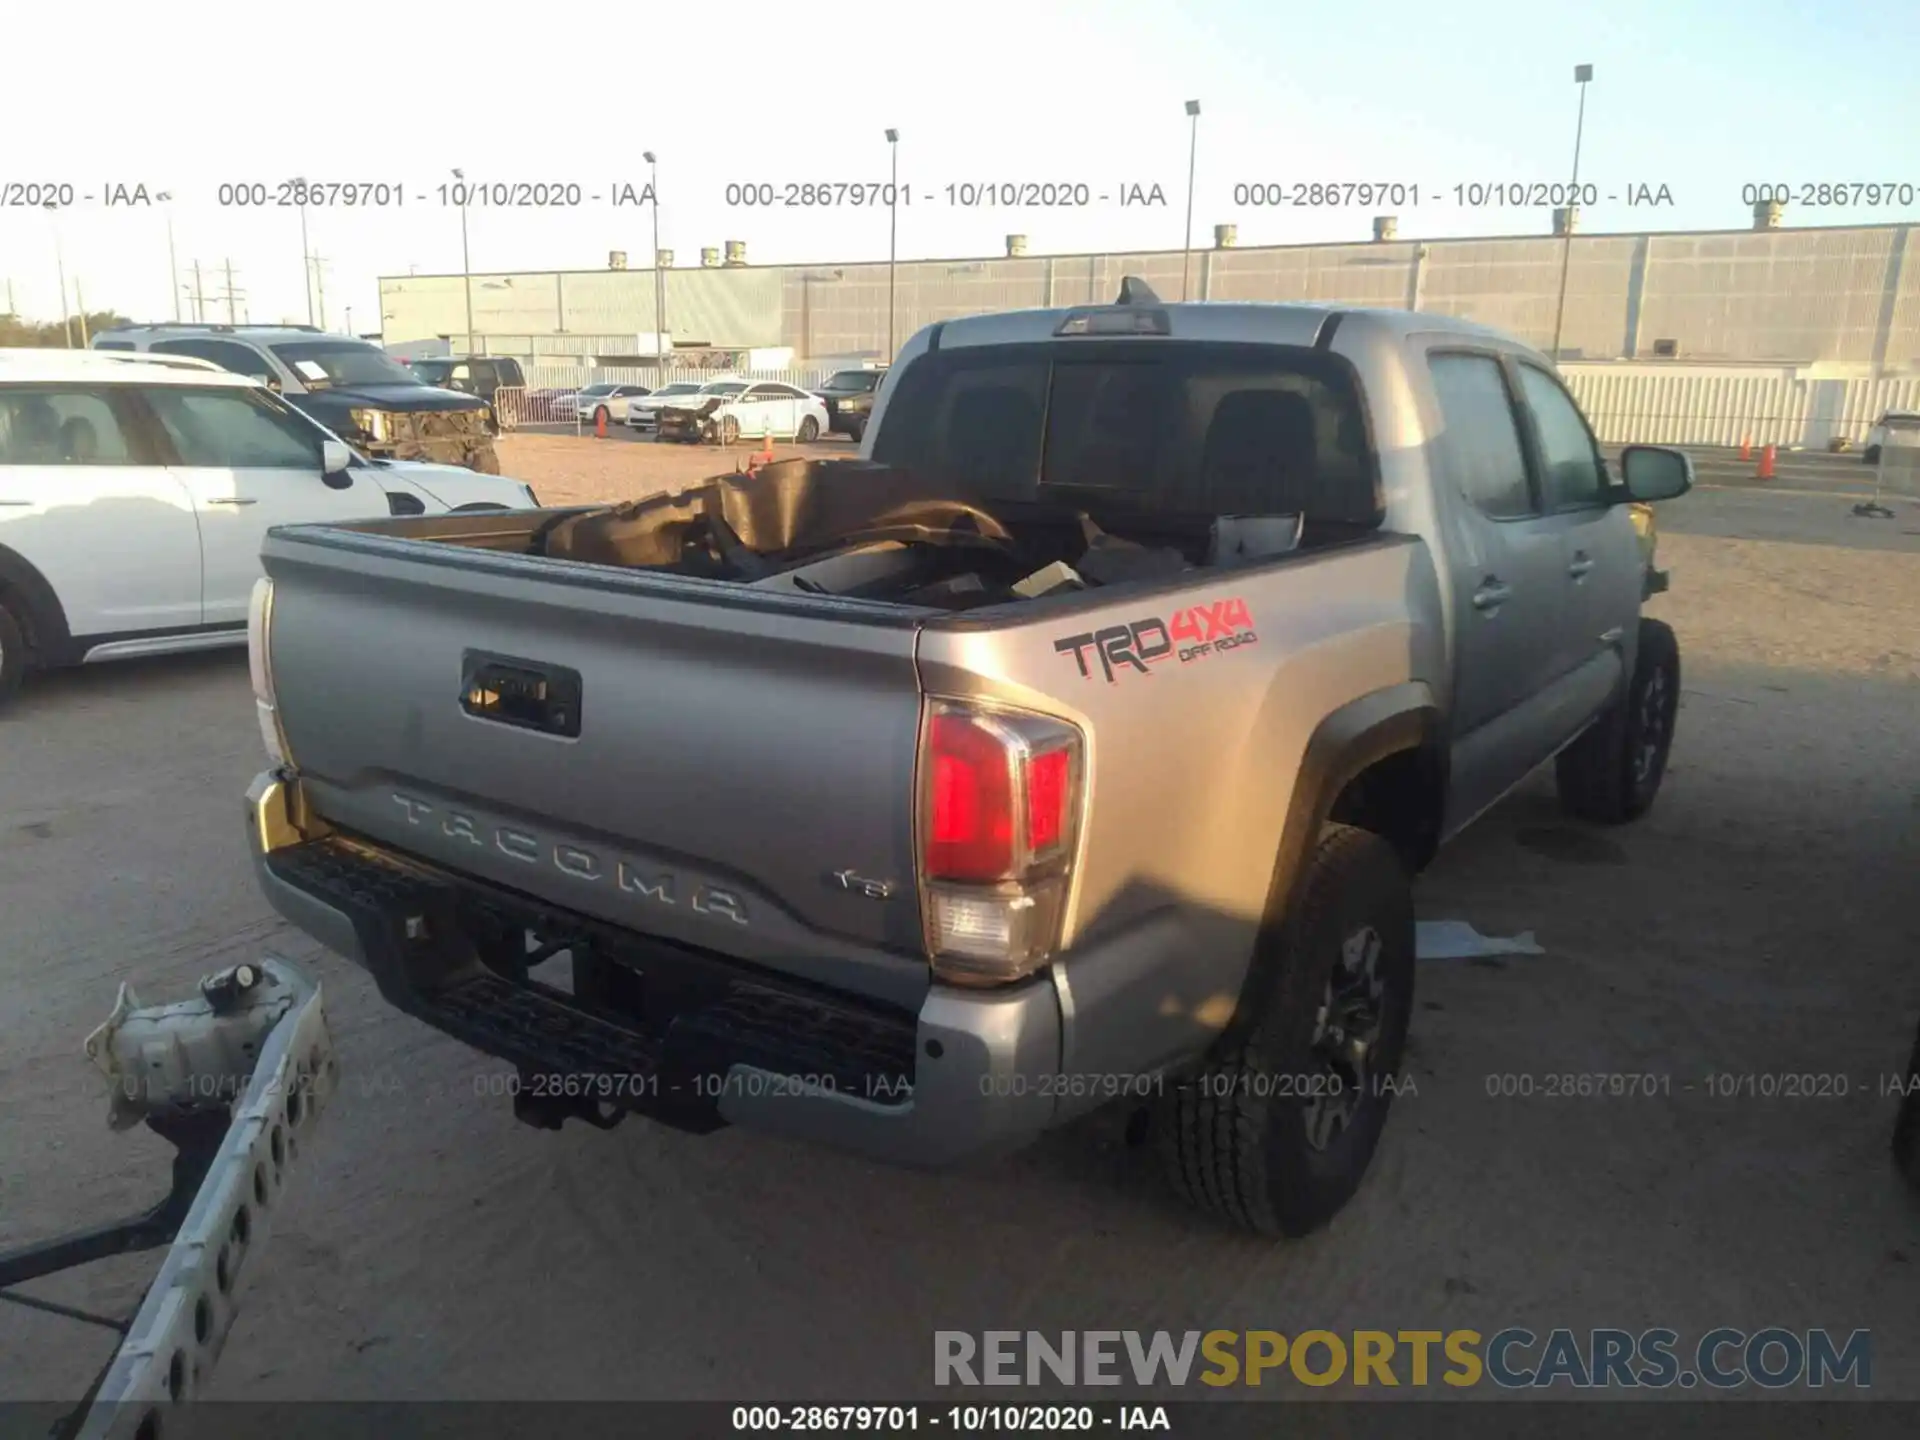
(335, 457)
(1655, 472)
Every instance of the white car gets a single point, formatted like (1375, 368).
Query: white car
(732, 410)
(612, 399)
(135, 491)
(642, 413)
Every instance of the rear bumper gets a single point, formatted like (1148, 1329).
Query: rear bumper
(972, 1074)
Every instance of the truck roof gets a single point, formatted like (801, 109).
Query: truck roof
(1229, 320)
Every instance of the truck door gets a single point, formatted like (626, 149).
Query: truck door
(1599, 552)
(1507, 577)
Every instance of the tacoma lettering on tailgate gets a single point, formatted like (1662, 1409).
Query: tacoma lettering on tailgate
(1187, 635)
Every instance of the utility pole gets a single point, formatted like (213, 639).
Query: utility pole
(10, 309)
(320, 287)
(199, 297)
(80, 302)
(173, 266)
(60, 268)
(1193, 152)
(231, 296)
(349, 320)
(1582, 75)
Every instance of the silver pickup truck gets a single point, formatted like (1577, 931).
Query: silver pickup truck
(1077, 743)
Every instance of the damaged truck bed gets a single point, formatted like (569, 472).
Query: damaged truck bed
(1076, 744)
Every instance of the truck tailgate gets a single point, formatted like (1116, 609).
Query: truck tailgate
(734, 749)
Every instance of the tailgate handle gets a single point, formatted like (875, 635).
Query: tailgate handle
(523, 693)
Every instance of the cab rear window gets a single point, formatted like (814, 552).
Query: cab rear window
(1189, 428)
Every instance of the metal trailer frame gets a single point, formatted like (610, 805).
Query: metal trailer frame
(237, 1124)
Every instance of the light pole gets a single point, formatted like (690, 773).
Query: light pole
(466, 267)
(659, 279)
(60, 268)
(306, 250)
(893, 231)
(1581, 75)
(1193, 151)
(173, 265)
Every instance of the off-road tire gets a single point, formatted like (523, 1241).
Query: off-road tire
(857, 431)
(1234, 1139)
(1600, 776)
(13, 652)
(809, 431)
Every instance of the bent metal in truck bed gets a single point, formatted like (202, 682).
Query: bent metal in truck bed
(1078, 742)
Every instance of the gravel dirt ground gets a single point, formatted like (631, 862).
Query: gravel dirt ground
(1761, 921)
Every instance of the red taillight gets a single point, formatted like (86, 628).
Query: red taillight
(1000, 812)
(970, 827)
(1049, 786)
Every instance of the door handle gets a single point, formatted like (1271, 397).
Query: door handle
(232, 500)
(1580, 566)
(1491, 595)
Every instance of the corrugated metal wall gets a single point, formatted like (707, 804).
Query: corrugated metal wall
(1847, 297)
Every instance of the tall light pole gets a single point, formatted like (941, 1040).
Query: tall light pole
(60, 268)
(893, 231)
(173, 265)
(466, 267)
(659, 279)
(1193, 151)
(1581, 75)
(306, 250)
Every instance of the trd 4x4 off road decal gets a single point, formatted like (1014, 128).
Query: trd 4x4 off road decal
(1188, 635)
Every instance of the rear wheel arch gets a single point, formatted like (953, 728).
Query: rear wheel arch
(1357, 769)
(33, 603)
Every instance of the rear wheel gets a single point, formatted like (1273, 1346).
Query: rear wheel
(1276, 1132)
(13, 652)
(809, 431)
(1611, 774)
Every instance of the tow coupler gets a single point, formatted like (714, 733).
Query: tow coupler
(235, 1080)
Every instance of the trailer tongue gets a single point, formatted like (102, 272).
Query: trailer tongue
(234, 1080)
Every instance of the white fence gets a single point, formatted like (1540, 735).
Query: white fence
(1669, 405)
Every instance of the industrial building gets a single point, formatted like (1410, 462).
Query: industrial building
(1798, 335)
(1831, 296)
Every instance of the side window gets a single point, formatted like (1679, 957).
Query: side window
(113, 345)
(224, 353)
(60, 425)
(1572, 475)
(1479, 443)
(233, 430)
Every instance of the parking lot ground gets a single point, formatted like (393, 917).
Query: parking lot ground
(1761, 922)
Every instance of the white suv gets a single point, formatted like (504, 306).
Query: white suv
(135, 492)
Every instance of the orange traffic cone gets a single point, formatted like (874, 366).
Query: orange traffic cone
(600, 424)
(1746, 447)
(764, 455)
(1765, 472)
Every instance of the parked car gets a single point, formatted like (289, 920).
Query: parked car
(1118, 694)
(550, 405)
(135, 491)
(352, 387)
(643, 415)
(1897, 429)
(848, 396)
(606, 402)
(723, 412)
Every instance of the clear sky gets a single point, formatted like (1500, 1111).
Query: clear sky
(1702, 97)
